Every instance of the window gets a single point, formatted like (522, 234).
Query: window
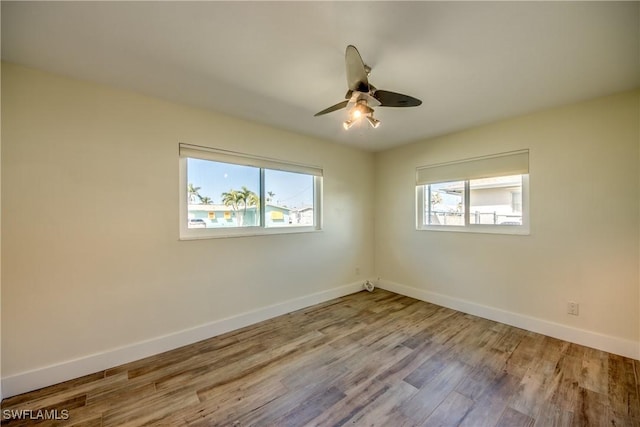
(446, 203)
(227, 194)
(496, 201)
(487, 194)
(289, 196)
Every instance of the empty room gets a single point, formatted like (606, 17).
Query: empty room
(320, 213)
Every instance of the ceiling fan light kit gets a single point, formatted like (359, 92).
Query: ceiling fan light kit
(373, 122)
(363, 96)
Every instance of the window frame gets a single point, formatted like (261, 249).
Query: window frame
(459, 168)
(186, 151)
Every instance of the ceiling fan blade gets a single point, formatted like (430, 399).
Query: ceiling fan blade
(393, 99)
(338, 106)
(356, 73)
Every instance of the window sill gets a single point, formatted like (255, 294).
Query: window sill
(479, 229)
(211, 233)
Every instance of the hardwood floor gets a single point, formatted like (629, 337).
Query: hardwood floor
(365, 359)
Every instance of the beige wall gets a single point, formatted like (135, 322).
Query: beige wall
(90, 251)
(584, 200)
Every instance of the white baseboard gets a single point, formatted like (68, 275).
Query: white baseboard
(584, 337)
(54, 374)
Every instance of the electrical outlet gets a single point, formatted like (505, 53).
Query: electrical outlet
(572, 308)
(357, 271)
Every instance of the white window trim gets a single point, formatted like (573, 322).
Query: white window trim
(191, 151)
(517, 165)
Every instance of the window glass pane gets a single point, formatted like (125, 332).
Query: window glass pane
(289, 199)
(496, 201)
(222, 194)
(445, 203)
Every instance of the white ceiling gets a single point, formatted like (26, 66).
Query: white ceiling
(278, 63)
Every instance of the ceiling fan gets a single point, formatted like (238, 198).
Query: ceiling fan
(362, 96)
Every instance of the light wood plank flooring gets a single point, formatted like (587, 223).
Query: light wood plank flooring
(365, 359)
